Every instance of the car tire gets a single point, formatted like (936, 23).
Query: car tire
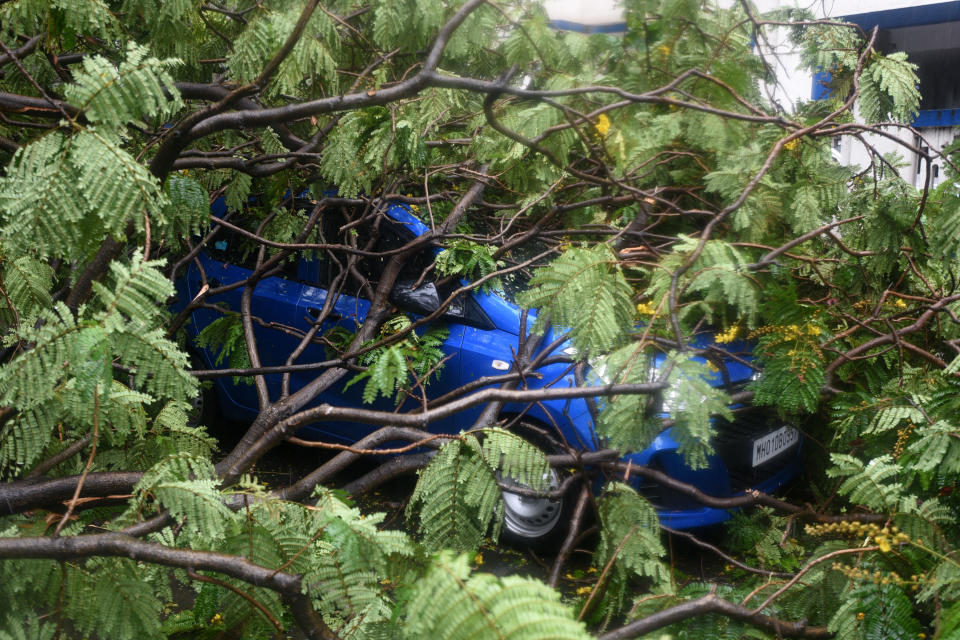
(538, 523)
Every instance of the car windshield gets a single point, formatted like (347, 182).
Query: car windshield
(517, 281)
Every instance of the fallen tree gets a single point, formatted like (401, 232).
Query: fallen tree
(643, 180)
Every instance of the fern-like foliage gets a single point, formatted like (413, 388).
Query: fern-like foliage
(716, 280)
(824, 586)
(936, 448)
(41, 201)
(172, 25)
(760, 534)
(24, 439)
(91, 17)
(31, 629)
(513, 458)
(312, 63)
(131, 293)
(630, 537)
(123, 607)
(27, 583)
(405, 23)
(238, 191)
(694, 403)
(61, 195)
(389, 368)
(483, 606)
(469, 260)
(926, 521)
(186, 485)
(224, 337)
(364, 144)
(584, 289)
(793, 367)
(140, 86)
(891, 615)
(950, 627)
(250, 538)
(166, 376)
(172, 425)
(888, 89)
(457, 497)
(874, 484)
(353, 562)
(629, 422)
(114, 182)
(189, 208)
(32, 381)
(26, 282)
(711, 625)
(67, 373)
(347, 563)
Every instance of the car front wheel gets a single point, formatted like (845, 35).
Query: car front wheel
(537, 521)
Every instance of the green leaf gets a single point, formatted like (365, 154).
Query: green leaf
(482, 606)
(874, 484)
(114, 95)
(585, 290)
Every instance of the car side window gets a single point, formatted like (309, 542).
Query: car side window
(417, 271)
(235, 249)
(390, 237)
(465, 309)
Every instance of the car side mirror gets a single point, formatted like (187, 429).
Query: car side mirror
(422, 300)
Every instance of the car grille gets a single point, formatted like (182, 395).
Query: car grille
(665, 498)
(732, 444)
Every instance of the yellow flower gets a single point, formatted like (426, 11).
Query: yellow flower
(900, 304)
(663, 49)
(478, 559)
(861, 615)
(790, 146)
(645, 309)
(217, 619)
(812, 330)
(602, 125)
(883, 542)
(584, 590)
(727, 336)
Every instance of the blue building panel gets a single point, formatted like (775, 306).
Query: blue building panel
(579, 27)
(907, 16)
(821, 85)
(937, 118)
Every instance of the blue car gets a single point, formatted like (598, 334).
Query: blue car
(755, 451)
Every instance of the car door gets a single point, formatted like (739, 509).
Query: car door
(348, 310)
(274, 305)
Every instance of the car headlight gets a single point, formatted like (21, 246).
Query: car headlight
(672, 401)
(669, 399)
(598, 368)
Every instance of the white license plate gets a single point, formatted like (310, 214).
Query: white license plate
(773, 444)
